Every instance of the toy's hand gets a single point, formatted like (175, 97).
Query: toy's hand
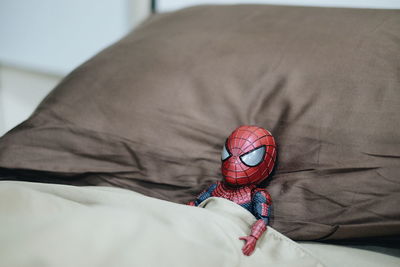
(191, 203)
(251, 242)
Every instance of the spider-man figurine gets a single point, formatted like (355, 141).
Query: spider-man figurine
(248, 158)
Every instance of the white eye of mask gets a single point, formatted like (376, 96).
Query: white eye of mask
(225, 154)
(254, 157)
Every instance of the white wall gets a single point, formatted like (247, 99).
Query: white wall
(169, 5)
(20, 92)
(56, 36)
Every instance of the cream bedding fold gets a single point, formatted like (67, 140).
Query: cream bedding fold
(58, 225)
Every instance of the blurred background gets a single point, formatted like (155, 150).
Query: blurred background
(42, 41)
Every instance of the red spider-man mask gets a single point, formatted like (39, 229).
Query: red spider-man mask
(248, 156)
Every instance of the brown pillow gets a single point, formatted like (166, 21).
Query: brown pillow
(151, 113)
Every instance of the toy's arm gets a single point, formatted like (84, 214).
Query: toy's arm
(261, 203)
(204, 195)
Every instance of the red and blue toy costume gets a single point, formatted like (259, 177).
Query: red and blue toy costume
(248, 158)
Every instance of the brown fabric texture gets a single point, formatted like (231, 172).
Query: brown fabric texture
(152, 112)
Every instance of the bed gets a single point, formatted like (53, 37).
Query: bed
(99, 173)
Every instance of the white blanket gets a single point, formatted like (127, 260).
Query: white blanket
(59, 225)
